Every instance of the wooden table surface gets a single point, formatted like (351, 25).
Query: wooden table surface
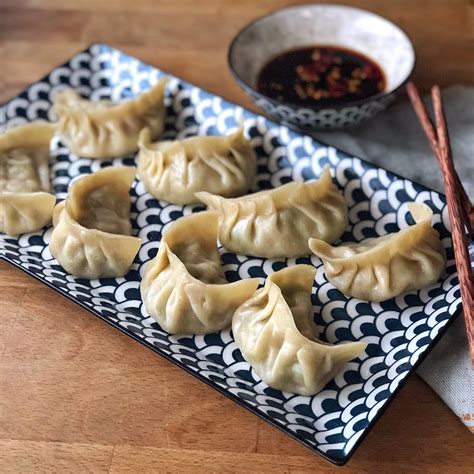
(75, 394)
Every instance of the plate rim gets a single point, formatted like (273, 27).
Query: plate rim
(242, 403)
(235, 398)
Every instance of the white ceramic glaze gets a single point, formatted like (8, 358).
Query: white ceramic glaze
(399, 332)
(334, 25)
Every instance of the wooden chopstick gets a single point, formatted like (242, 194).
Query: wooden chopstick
(433, 138)
(459, 206)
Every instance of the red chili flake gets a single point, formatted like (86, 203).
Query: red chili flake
(318, 73)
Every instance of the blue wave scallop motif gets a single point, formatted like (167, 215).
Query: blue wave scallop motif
(398, 332)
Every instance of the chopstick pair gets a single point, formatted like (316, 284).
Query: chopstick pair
(460, 208)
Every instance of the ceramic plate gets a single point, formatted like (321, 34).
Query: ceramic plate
(399, 332)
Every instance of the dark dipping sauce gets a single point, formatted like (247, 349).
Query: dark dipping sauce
(320, 76)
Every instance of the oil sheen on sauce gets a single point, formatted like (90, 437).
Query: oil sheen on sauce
(320, 76)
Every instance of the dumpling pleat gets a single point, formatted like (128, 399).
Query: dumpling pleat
(389, 265)
(25, 212)
(105, 130)
(196, 164)
(78, 241)
(266, 332)
(277, 223)
(198, 299)
(26, 204)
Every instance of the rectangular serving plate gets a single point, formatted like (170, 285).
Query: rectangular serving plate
(399, 332)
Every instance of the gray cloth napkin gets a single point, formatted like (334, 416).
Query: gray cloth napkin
(394, 140)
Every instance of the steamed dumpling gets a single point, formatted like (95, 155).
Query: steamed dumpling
(103, 129)
(276, 334)
(184, 287)
(175, 170)
(278, 223)
(387, 266)
(26, 202)
(91, 236)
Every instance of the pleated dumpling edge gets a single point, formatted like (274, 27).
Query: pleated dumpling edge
(184, 287)
(276, 223)
(175, 170)
(105, 130)
(91, 236)
(386, 266)
(26, 202)
(276, 334)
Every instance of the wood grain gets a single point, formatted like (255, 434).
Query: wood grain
(75, 394)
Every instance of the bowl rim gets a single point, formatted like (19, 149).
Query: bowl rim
(354, 103)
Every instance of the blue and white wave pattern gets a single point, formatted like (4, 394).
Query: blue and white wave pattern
(398, 331)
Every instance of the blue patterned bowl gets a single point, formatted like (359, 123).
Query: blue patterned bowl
(333, 25)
